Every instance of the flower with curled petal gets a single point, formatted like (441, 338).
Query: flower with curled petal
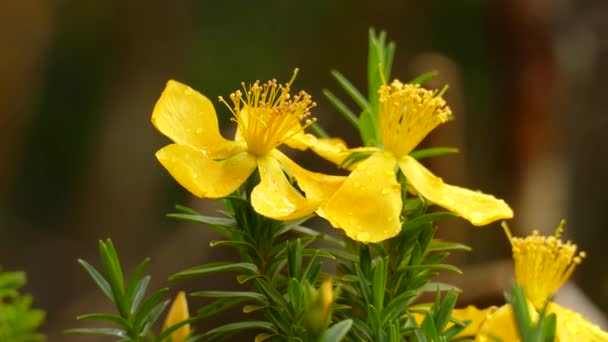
(542, 265)
(368, 205)
(208, 165)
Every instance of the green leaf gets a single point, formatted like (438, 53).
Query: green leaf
(433, 152)
(254, 296)
(214, 268)
(337, 332)
(351, 90)
(294, 292)
(368, 129)
(153, 316)
(273, 294)
(239, 326)
(437, 267)
(379, 283)
(101, 282)
(114, 273)
(141, 316)
(342, 108)
(396, 306)
(219, 306)
(294, 257)
(444, 311)
(97, 331)
(132, 287)
(422, 79)
(139, 293)
(222, 226)
(438, 245)
(108, 318)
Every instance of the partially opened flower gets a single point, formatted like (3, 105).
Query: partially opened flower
(208, 165)
(542, 265)
(368, 205)
(178, 313)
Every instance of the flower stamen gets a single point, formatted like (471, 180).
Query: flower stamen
(407, 114)
(543, 264)
(267, 115)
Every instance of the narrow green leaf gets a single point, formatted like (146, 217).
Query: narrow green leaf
(134, 282)
(379, 283)
(98, 278)
(214, 268)
(422, 79)
(107, 318)
(294, 293)
(337, 332)
(437, 267)
(239, 326)
(186, 210)
(351, 90)
(147, 306)
(294, 257)
(219, 306)
(115, 277)
(342, 108)
(153, 316)
(438, 245)
(444, 311)
(222, 226)
(140, 291)
(97, 331)
(433, 152)
(368, 129)
(397, 306)
(254, 296)
(273, 294)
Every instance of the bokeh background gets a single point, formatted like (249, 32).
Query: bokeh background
(79, 80)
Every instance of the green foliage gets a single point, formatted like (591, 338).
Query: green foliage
(18, 321)
(543, 330)
(135, 314)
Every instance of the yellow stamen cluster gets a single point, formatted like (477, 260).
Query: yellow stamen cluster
(543, 264)
(267, 115)
(407, 114)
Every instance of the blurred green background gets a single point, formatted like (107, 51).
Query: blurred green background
(80, 78)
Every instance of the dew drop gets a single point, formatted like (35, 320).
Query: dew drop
(188, 92)
(199, 130)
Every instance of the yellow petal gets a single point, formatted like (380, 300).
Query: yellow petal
(205, 177)
(473, 314)
(572, 327)
(274, 197)
(300, 140)
(476, 207)
(367, 206)
(501, 324)
(178, 313)
(333, 149)
(188, 118)
(316, 186)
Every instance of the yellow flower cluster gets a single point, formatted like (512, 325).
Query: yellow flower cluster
(366, 204)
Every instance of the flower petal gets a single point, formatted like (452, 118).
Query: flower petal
(316, 186)
(178, 313)
(331, 149)
(205, 177)
(501, 325)
(367, 206)
(473, 314)
(274, 197)
(188, 118)
(572, 327)
(476, 207)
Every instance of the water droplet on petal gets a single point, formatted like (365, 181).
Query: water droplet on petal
(199, 130)
(188, 92)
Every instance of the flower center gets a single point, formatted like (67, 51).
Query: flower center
(543, 264)
(407, 114)
(268, 115)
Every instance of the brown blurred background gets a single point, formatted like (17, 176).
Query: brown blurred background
(79, 80)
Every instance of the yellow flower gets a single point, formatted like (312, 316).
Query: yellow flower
(178, 313)
(208, 165)
(542, 265)
(368, 205)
